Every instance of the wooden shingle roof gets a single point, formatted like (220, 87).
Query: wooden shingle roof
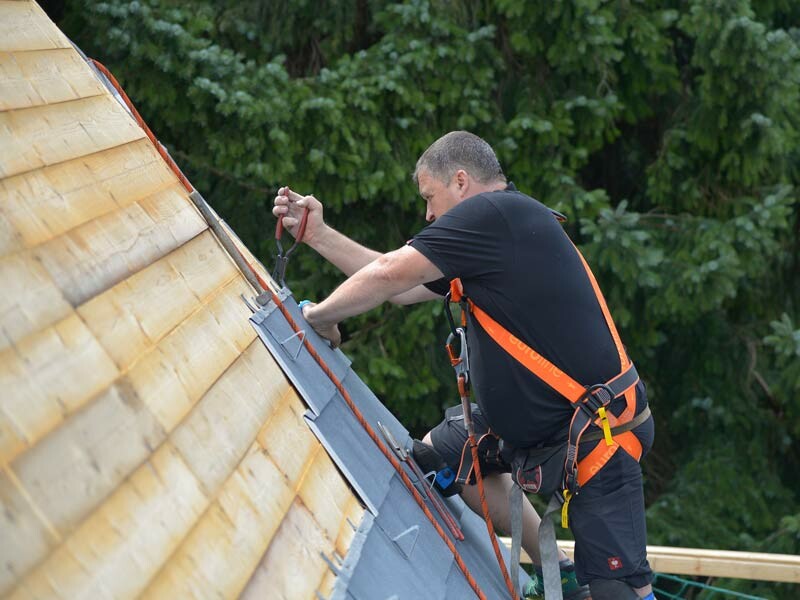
(149, 443)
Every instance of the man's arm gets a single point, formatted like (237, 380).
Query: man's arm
(344, 253)
(390, 275)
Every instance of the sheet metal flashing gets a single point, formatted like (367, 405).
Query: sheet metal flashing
(396, 552)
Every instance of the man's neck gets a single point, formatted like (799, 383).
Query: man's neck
(481, 188)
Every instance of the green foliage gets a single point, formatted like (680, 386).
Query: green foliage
(667, 132)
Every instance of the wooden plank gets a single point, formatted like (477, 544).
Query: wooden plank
(37, 77)
(25, 26)
(74, 468)
(125, 542)
(710, 563)
(31, 138)
(293, 566)
(92, 258)
(289, 442)
(326, 494)
(30, 300)
(240, 524)
(47, 202)
(171, 378)
(353, 515)
(325, 588)
(26, 537)
(48, 376)
(131, 317)
(215, 436)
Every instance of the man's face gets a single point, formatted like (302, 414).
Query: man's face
(439, 197)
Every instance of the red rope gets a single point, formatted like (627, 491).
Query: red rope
(311, 350)
(489, 525)
(164, 154)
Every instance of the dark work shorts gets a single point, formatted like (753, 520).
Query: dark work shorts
(450, 439)
(607, 517)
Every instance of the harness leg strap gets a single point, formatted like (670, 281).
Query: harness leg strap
(515, 506)
(548, 548)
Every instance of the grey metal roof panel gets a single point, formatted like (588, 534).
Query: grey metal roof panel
(348, 444)
(301, 368)
(396, 552)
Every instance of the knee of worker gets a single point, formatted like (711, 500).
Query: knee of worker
(612, 589)
(436, 455)
(431, 460)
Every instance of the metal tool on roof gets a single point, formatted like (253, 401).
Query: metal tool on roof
(282, 258)
(404, 456)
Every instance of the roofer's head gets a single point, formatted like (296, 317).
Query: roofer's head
(455, 167)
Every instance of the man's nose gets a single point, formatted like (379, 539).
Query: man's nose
(429, 216)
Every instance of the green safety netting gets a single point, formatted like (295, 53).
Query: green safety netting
(671, 587)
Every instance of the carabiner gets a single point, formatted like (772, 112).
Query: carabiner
(449, 314)
(460, 361)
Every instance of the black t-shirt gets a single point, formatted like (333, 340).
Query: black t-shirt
(517, 263)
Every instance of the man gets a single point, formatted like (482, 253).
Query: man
(516, 263)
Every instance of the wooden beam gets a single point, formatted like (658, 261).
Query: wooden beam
(37, 77)
(25, 26)
(711, 563)
(36, 137)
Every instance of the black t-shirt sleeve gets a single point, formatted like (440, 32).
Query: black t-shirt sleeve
(440, 286)
(467, 241)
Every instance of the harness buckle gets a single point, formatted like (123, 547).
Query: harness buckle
(595, 397)
(571, 485)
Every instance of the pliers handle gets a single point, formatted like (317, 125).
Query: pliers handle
(282, 258)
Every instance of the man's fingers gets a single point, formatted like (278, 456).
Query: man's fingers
(292, 195)
(289, 222)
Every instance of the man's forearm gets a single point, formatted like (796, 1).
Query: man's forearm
(390, 275)
(345, 254)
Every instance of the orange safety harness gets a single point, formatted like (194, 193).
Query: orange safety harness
(590, 401)
(261, 285)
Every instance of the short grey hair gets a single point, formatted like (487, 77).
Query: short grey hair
(460, 150)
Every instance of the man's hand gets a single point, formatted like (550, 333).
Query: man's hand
(290, 206)
(326, 330)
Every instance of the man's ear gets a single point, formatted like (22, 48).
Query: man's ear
(462, 181)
